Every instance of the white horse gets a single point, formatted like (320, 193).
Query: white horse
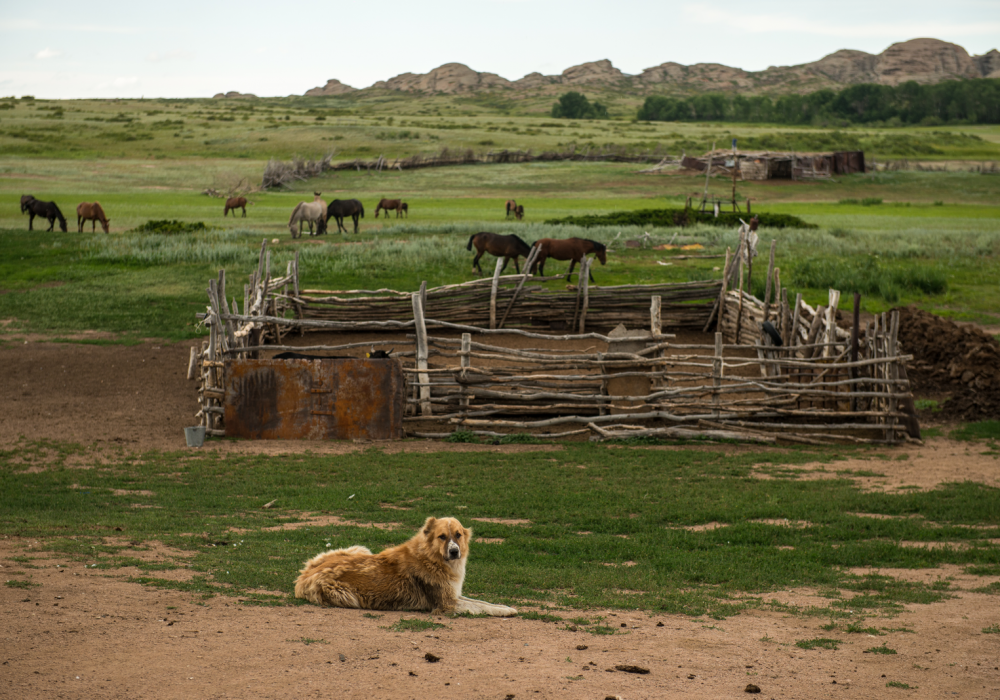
(311, 213)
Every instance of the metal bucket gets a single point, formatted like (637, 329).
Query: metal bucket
(195, 436)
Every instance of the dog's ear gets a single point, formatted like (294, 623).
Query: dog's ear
(429, 524)
(467, 533)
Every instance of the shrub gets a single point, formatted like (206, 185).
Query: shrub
(170, 226)
(574, 105)
(679, 217)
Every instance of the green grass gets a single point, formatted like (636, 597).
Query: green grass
(882, 649)
(414, 624)
(648, 496)
(982, 430)
(899, 684)
(821, 643)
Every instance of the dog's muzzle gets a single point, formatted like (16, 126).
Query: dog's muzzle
(454, 552)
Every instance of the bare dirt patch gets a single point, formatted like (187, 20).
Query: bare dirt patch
(90, 633)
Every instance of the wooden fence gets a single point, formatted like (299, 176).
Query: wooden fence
(821, 385)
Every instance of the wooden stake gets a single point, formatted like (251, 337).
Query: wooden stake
(493, 294)
(422, 378)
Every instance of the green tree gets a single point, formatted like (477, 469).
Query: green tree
(574, 105)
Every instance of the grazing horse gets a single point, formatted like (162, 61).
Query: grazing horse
(387, 204)
(26, 199)
(339, 208)
(569, 249)
(311, 213)
(49, 210)
(495, 244)
(519, 212)
(511, 208)
(234, 203)
(92, 212)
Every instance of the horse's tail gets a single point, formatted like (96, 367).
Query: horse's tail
(362, 208)
(59, 214)
(468, 246)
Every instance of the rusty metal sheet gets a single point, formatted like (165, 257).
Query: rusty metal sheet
(336, 399)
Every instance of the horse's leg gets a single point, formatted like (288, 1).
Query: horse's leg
(475, 263)
(31, 218)
(356, 217)
(570, 273)
(244, 211)
(516, 267)
(505, 261)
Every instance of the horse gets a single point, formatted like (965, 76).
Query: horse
(568, 249)
(311, 213)
(92, 212)
(493, 243)
(519, 212)
(339, 208)
(234, 203)
(26, 199)
(511, 207)
(49, 210)
(387, 204)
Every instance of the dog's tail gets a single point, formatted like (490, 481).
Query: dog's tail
(319, 584)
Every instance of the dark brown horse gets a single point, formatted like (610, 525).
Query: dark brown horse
(92, 212)
(26, 199)
(234, 203)
(339, 208)
(511, 207)
(387, 205)
(519, 212)
(495, 244)
(568, 249)
(49, 210)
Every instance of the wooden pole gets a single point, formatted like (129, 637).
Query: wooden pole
(793, 334)
(493, 294)
(465, 364)
(423, 378)
(717, 367)
(528, 262)
(767, 282)
(583, 276)
(655, 322)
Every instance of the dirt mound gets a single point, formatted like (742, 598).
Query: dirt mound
(962, 361)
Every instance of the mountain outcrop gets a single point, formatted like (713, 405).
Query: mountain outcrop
(922, 60)
(332, 87)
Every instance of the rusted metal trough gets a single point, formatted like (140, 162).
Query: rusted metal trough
(331, 399)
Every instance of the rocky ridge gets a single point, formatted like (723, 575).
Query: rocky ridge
(923, 60)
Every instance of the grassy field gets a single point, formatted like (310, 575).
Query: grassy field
(589, 534)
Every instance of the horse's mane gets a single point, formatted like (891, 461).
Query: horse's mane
(599, 247)
(59, 214)
(295, 211)
(519, 239)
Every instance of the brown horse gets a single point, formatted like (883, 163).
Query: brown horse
(92, 212)
(568, 249)
(234, 203)
(388, 204)
(495, 244)
(519, 212)
(511, 208)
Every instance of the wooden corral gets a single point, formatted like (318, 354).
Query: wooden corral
(777, 165)
(472, 363)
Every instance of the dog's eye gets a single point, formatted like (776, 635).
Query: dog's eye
(442, 537)
(458, 535)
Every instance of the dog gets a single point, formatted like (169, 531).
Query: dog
(424, 573)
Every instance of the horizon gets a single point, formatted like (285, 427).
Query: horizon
(125, 51)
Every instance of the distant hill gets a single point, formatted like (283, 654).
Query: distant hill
(923, 60)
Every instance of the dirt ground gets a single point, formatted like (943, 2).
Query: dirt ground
(88, 633)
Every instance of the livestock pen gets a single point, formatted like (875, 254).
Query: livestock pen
(505, 355)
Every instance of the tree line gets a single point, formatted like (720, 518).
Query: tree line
(975, 101)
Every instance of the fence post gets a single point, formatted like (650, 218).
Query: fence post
(716, 373)
(422, 377)
(493, 294)
(466, 362)
(655, 322)
(893, 371)
(584, 278)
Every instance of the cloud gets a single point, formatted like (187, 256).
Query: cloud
(47, 53)
(761, 24)
(154, 57)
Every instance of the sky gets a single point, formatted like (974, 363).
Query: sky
(59, 49)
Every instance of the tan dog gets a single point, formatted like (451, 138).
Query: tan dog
(424, 573)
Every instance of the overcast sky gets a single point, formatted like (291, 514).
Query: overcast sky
(109, 48)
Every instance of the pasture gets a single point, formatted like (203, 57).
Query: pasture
(779, 567)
